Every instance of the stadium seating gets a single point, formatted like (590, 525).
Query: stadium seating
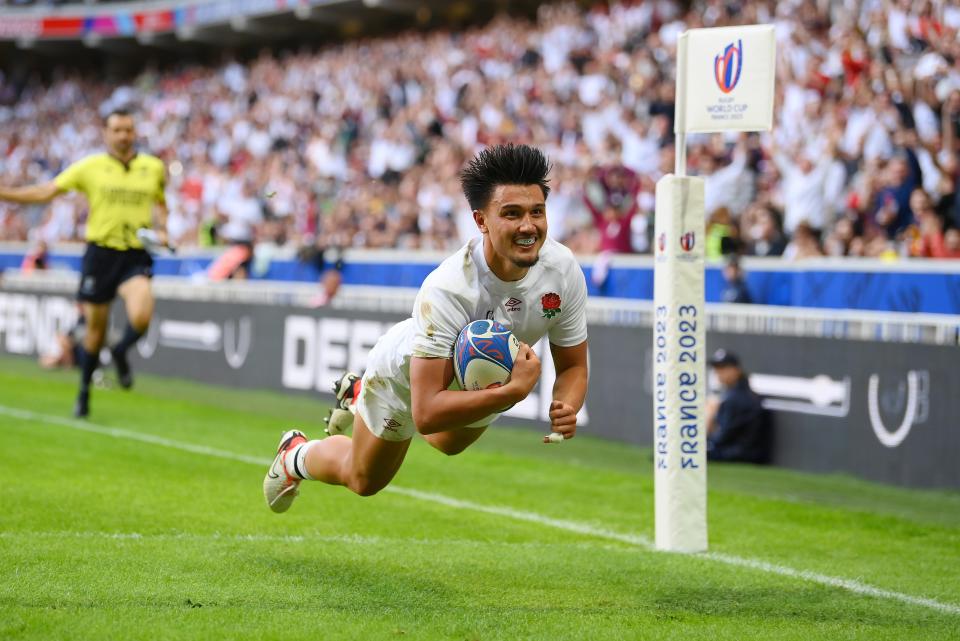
(359, 146)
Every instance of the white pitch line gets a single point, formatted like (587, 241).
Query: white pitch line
(187, 536)
(221, 537)
(832, 581)
(857, 587)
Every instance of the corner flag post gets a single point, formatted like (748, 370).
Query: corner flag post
(724, 83)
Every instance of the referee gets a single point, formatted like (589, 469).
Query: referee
(124, 189)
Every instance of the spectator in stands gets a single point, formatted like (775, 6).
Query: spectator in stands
(804, 244)
(928, 237)
(722, 234)
(804, 187)
(763, 235)
(868, 108)
(951, 243)
(891, 212)
(729, 187)
(611, 197)
(735, 286)
(67, 353)
(241, 212)
(738, 427)
(36, 258)
(842, 239)
(328, 262)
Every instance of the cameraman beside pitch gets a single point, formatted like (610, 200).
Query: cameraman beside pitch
(124, 188)
(514, 275)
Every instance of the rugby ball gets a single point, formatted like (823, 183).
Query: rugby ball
(483, 355)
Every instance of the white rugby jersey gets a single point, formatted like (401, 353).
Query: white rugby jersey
(550, 300)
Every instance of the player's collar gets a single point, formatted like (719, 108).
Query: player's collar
(491, 280)
(126, 165)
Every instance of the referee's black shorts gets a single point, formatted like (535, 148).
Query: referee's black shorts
(104, 270)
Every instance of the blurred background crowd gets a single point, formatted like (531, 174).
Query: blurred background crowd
(360, 144)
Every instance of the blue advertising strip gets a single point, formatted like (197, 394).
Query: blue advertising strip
(932, 292)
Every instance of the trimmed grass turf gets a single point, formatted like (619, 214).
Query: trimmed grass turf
(106, 538)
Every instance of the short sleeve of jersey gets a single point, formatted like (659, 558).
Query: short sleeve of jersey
(439, 316)
(571, 326)
(74, 177)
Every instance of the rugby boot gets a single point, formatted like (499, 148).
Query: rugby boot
(279, 488)
(339, 419)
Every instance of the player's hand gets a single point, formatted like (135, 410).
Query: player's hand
(563, 420)
(162, 237)
(525, 373)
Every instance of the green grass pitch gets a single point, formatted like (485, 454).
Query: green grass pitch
(150, 524)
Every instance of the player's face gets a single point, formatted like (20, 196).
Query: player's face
(728, 375)
(119, 134)
(514, 225)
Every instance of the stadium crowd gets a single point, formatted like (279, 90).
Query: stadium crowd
(360, 144)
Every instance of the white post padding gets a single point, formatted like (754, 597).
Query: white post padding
(679, 374)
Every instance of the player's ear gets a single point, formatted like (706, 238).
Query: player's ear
(480, 219)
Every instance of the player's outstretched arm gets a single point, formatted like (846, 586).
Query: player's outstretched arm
(32, 194)
(570, 388)
(437, 409)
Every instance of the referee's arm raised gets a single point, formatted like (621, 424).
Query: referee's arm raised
(32, 194)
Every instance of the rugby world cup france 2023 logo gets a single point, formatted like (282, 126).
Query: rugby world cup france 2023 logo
(727, 67)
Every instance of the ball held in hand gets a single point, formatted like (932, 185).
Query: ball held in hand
(483, 355)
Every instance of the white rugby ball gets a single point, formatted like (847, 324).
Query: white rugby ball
(483, 355)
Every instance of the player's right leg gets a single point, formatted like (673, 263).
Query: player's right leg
(364, 463)
(97, 315)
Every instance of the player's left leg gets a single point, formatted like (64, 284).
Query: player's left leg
(456, 440)
(339, 419)
(138, 300)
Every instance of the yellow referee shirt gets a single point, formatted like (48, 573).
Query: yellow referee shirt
(121, 196)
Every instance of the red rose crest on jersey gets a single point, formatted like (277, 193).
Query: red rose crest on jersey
(551, 304)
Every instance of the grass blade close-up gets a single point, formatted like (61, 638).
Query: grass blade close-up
(148, 521)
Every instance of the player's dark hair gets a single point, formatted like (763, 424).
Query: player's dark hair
(503, 165)
(123, 112)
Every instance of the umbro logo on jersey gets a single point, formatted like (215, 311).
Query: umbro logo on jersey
(391, 424)
(513, 305)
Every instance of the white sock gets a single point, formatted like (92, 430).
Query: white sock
(295, 462)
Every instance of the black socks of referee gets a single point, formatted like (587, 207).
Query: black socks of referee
(119, 353)
(89, 364)
(130, 336)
